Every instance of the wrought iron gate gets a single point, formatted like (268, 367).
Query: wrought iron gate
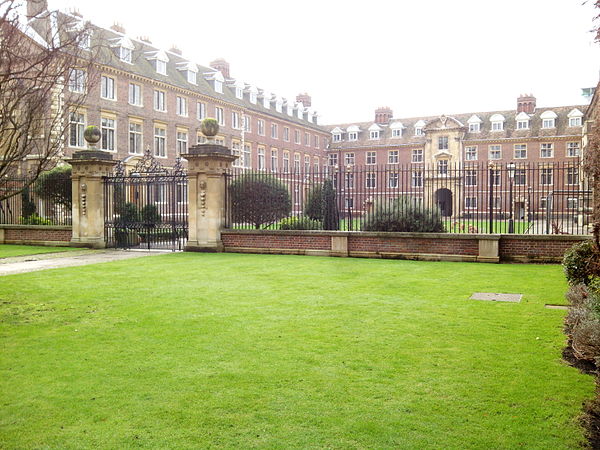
(146, 208)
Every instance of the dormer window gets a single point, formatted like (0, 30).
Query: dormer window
(548, 119)
(192, 77)
(374, 133)
(217, 80)
(336, 134)
(419, 128)
(252, 94)
(278, 105)
(190, 71)
(497, 121)
(159, 60)
(266, 100)
(161, 67)
(299, 109)
(397, 128)
(125, 54)
(474, 124)
(239, 92)
(575, 118)
(124, 48)
(290, 109)
(353, 131)
(522, 121)
(85, 40)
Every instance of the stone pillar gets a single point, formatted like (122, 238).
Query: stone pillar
(89, 166)
(207, 164)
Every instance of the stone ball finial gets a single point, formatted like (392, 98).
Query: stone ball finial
(209, 127)
(92, 135)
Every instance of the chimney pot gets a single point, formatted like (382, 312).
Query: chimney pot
(221, 65)
(526, 103)
(383, 115)
(118, 28)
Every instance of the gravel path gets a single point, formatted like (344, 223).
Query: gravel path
(32, 263)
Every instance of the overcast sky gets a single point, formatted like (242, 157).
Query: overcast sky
(418, 57)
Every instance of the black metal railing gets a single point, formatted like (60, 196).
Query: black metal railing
(27, 202)
(523, 198)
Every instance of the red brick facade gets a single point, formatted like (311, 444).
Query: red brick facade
(21, 234)
(413, 245)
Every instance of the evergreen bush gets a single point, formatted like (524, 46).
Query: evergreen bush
(402, 214)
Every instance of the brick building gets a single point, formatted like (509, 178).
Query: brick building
(144, 97)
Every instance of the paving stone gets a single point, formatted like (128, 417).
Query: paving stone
(496, 297)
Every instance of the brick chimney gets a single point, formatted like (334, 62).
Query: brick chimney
(526, 103)
(145, 39)
(175, 49)
(35, 8)
(118, 28)
(383, 115)
(305, 99)
(221, 65)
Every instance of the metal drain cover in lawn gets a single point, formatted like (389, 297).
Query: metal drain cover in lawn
(495, 297)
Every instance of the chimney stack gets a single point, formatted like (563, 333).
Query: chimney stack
(383, 115)
(145, 39)
(221, 65)
(526, 103)
(118, 28)
(36, 8)
(175, 49)
(305, 99)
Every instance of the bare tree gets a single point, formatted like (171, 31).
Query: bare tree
(45, 64)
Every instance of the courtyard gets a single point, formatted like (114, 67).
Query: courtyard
(189, 350)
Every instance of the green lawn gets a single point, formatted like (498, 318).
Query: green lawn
(242, 351)
(7, 251)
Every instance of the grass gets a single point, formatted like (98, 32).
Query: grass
(7, 251)
(243, 351)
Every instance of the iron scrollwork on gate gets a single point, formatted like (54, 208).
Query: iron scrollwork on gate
(146, 207)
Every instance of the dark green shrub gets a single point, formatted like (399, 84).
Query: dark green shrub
(582, 323)
(150, 215)
(578, 263)
(314, 204)
(27, 205)
(331, 214)
(34, 219)
(129, 214)
(55, 185)
(402, 214)
(259, 199)
(300, 223)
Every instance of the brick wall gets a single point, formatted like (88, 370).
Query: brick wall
(410, 244)
(538, 248)
(39, 235)
(278, 240)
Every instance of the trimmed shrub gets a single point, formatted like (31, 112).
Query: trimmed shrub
(402, 214)
(331, 215)
(55, 185)
(150, 215)
(578, 263)
(314, 204)
(300, 223)
(259, 199)
(27, 206)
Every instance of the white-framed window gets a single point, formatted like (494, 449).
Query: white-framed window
(520, 151)
(546, 177)
(332, 159)
(470, 177)
(220, 115)
(77, 80)
(125, 54)
(135, 94)
(85, 40)
(286, 134)
(160, 100)
(371, 158)
(235, 120)
(297, 162)
(546, 150)
(297, 136)
(474, 127)
(274, 160)
(239, 92)
(107, 130)
(353, 136)
(349, 180)
(247, 123)
(200, 110)
(306, 164)
(419, 131)
(396, 132)
(574, 121)
(316, 141)
(200, 138)
(471, 153)
(160, 141)
(520, 178)
(522, 124)
(548, 123)
(393, 157)
(496, 175)
(316, 164)
(349, 159)
(286, 162)
(572, 175)
(497, 203)
(307, 139)
(135, 138)
(393, 180)
(496, 126)
(443, 143)
(274, 131)
(161, 67)
(572, 203)
(497, 121)
(247, 153)
(349, 203)
(261, 158)
(76, 129)
(236, 150)
(192, 77)
(260, 125)
(107, 87)
(442, 167)
(417, 155)
(572, 149)
(371, 180)
(470, 202)
(182, 142)
(374, 134)
(336, 137)
(181, 109)
(253, 97)
(495, 152)
(416, 179)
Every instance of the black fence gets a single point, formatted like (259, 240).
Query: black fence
(524, 198)
(35, 203)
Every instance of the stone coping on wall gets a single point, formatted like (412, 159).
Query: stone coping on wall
(383, 234)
